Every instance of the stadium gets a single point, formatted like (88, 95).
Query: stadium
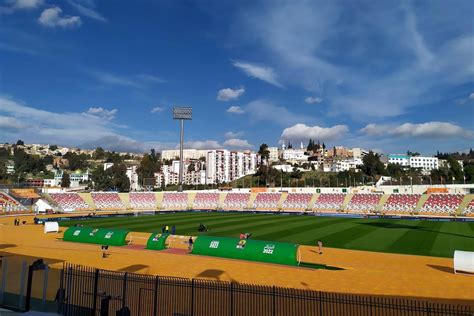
(386, 253)
(236, 158)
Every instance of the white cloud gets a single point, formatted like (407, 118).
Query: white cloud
(471, 96)
(88, 11)
(312, 100)
(139, 81)
(266, 74)
(263, 110)
(375, 129)
(238, 143)
(205, 144)
(157, 109)
(421, 130)
(51, 17)
(231, 134)
(25, 4)
(14, 5)
(389, 60)
(431, 129)
(103, 113)
(69, 128)
(228, 94)
(150, 78)
(16, 49)
(302, 132)
(7, 122)
(236, 110)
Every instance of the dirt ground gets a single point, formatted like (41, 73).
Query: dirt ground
(363, 272)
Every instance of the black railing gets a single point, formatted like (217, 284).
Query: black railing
(90, 291)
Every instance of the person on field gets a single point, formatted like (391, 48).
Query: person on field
(167, 229)
(320, 247)
(190, 243)
(173, 230)
(242, 236)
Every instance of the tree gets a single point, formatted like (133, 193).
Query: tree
(53, 147)
(455, 169)
(469, 172)
(395, 170)
(20, 142)
(114, 178)
(65, 180)
(372, 165)
(412, 154)
(149, 165)
(264, 152)
(99, 153)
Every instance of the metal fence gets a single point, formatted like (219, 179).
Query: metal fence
(89, 291)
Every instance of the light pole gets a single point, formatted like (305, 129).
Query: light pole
(182, 113)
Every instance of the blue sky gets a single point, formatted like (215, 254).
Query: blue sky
(382, 75)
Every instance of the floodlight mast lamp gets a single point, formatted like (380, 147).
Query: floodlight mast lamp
(182, 113)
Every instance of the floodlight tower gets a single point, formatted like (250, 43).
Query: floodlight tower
(182, 113)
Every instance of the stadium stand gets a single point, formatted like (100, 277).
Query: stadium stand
(206, 201)
(329, 201)
(441, 204)
(69, 201)
(107, 201)
(175, 201)
(236, 201)
(469, 210)
(297, 201)
(267, 201)
(364, 202)
(9, 204)
(401, 203)
(143, 200)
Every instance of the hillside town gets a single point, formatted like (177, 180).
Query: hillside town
(50, 166)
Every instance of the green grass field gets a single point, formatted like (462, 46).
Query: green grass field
(426, 238)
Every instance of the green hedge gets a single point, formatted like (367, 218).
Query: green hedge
(101, 236)
(247, 249)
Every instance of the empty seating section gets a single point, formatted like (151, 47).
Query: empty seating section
(107, 201)
(297, 201)
(177, 201)
(401, 203)
(206, 201)
(329, 201)
(69, 201)
(364, 202)
(442, 203)
(469, 210)
(267, 200)
(9, 204)
(236, 201)
(143, 200)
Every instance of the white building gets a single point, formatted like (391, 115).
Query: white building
(426, 164)
(223, 166)
(172, 154)
(294, 154)
(346, 165)
(273, 154)
(402, 160)
(133, 177)
(359, 153)
(169, 174)
(76, 178)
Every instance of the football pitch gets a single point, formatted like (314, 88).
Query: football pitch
(416, 237)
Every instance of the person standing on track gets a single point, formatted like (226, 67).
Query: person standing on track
(320, 246)
(190, 243)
